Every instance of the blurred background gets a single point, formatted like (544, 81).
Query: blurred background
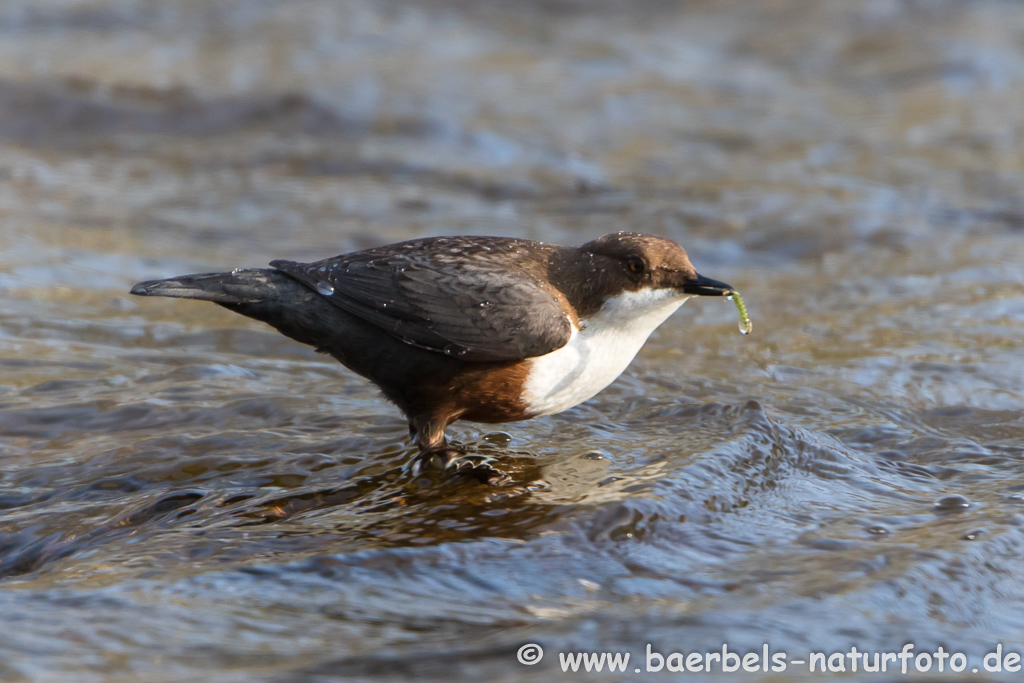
(186, 495)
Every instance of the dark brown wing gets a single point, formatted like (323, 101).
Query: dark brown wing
(477, 298)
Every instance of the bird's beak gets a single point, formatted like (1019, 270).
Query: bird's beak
(705, 286)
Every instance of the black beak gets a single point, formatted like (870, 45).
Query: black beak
(705, 286)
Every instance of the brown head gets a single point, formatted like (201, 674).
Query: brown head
(633, 261)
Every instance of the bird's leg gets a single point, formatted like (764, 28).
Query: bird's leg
(434, 449)
(428, 433)
(430, 439)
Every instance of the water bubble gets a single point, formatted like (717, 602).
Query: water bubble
(954, 503)
(325, 288)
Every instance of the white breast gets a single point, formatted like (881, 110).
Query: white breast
(599, 352)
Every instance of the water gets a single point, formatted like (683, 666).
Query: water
(187, 495)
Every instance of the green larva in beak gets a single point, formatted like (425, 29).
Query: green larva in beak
(745, 325)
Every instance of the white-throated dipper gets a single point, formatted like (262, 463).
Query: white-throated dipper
(486, 329)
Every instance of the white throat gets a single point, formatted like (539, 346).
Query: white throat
(598, 352)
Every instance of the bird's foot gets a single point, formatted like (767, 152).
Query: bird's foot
(454, 461)
(482, 467)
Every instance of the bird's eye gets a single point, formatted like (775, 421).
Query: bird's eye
(635, 265)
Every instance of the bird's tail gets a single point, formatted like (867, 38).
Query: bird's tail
(267, 295)
(246, 286)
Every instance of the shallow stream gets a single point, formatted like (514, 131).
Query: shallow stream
(187, 495)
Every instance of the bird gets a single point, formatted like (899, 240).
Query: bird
(483, 329)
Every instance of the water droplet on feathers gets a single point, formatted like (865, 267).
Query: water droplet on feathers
(325, 288)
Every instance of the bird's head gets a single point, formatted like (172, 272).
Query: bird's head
(649, 262)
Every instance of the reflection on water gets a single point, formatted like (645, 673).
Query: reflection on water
(186, 494)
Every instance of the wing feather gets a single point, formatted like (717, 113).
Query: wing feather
(450, 295)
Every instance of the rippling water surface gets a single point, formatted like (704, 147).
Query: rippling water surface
(187, 495)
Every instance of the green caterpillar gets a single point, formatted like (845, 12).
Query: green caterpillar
(745, 325)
